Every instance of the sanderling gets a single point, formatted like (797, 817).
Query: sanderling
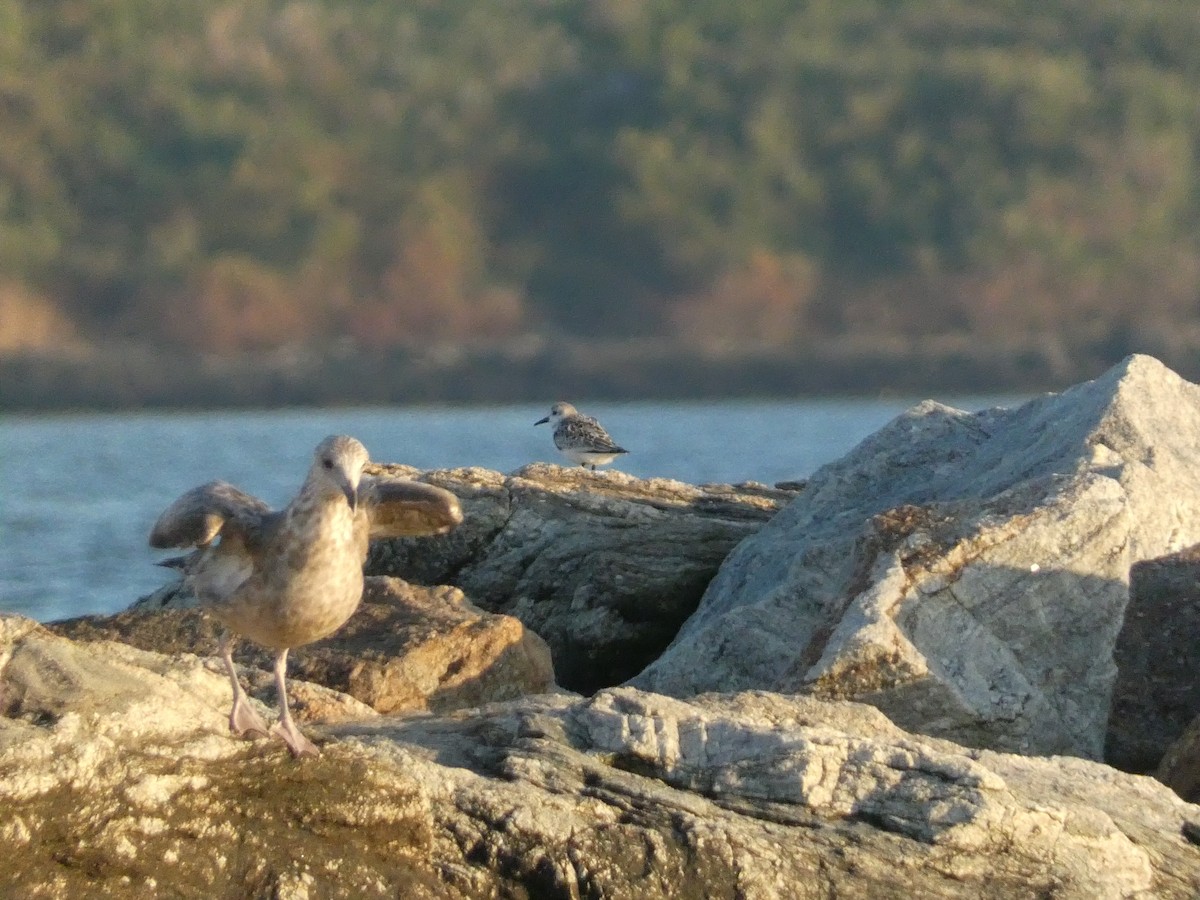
(291, 577)
(581, 438)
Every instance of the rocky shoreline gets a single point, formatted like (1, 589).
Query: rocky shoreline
(915, 675)
(138, 376)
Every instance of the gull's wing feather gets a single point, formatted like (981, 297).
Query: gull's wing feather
(197, 517)
(399, 508)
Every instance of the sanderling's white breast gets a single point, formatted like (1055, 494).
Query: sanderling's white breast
(581, 438)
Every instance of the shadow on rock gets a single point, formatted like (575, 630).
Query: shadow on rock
(604, 566)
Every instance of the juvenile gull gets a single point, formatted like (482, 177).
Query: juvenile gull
(581, 438)
(289, 577)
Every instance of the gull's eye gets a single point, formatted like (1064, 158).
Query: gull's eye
(327, 463)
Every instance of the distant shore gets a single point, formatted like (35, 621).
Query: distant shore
(138, 377)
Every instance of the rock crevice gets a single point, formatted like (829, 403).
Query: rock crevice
(603, 566)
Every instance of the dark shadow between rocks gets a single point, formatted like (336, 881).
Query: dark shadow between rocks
(602, 566)
(1157, 692)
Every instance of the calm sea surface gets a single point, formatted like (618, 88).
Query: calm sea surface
(78, 494)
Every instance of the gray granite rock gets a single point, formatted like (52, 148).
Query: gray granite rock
(966, 573)
(118, 778)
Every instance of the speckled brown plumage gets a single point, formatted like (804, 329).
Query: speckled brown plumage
(289, 577)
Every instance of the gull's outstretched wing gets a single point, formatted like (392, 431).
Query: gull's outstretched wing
(204, 512)
(399, 508)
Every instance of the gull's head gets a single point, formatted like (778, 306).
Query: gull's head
(338, 463)
(558, 412)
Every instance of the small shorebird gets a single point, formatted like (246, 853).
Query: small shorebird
(581, 438)
(289, 577)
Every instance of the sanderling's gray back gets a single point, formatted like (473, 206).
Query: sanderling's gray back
(287, 578)
(581, 438)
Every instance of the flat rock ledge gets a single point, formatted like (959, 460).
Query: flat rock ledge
(604, 566)
(965, 573)
(118, 779)
(407, 647)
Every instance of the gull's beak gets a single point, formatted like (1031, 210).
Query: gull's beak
(350, 490)
(542, 421)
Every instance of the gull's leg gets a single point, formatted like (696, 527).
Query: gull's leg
(286, 728)
(242, 718)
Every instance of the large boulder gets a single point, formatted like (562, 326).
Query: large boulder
(602, 565)
(406, 648)
(966, 573)
(118, 778)
(1157, 691)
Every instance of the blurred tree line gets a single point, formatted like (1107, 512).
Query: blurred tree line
(226, 176)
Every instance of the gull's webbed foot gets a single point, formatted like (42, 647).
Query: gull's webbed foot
(244, 721)
(286, 730)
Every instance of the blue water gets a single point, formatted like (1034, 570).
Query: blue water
(79, 493)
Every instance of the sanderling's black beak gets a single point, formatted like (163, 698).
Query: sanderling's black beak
(542, 421)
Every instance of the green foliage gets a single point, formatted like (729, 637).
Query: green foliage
(225, 175)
